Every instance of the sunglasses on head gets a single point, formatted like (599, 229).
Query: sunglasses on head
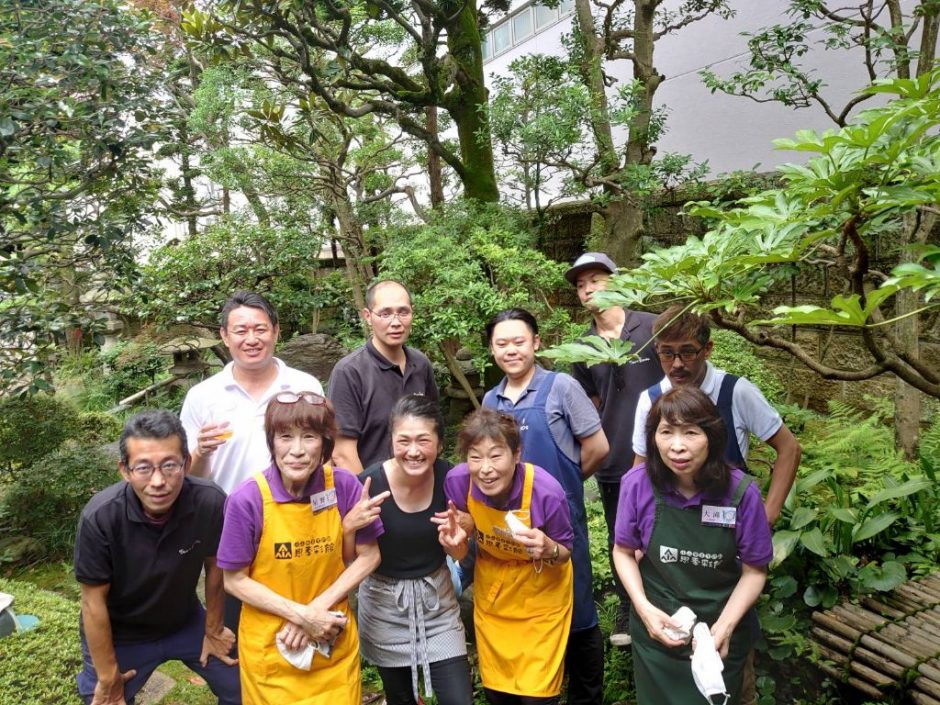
(294, 397)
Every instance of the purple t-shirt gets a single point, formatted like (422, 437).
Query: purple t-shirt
(548, 509)
(244, 512)
(636, 511)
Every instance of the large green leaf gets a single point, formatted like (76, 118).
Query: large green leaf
(801, 517)
(843, 514)
(784, 542)
(813, 540)
(908, 488)
(873, 526)
(882, 578)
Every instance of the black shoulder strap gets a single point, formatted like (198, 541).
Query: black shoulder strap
(725, 409)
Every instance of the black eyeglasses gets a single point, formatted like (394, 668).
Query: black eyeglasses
(685, 354)
(294, 397)
(168, 469)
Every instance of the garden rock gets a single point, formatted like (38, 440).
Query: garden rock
(20, 550)
(314, 353)
(155, 689)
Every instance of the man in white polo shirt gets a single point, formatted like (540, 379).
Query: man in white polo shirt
(224, 415)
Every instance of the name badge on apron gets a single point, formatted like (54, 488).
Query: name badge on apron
(719, 516)
(322, 500)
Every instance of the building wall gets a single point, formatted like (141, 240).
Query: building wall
(728, 132)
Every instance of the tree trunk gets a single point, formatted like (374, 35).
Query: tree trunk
(623, 228)
(623, 218)
(639, 150)
(435, 175)
(350, 235)
(592, 75)
(448, 348)
(466, 101)
(907, 399)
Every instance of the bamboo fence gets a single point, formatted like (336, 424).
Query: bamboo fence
(886, 644)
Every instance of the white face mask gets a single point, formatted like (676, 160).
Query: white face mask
(707, 665)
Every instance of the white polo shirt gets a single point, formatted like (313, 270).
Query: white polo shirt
(751, 411)
(221, 398)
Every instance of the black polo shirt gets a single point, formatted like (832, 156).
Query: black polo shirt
(152, 571)
(364, 387)
(619, 388)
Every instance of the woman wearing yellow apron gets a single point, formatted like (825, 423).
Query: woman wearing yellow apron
(522, 578)
(291, 552)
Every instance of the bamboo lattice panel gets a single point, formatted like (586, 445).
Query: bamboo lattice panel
(887, 644)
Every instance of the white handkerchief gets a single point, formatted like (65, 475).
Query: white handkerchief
(298, 658)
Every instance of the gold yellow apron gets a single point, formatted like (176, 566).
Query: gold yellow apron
(521, 617)
(300, 554)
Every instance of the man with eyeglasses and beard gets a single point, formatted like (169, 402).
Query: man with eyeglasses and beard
(614, 390)
(683, 345)
(365, 384)
(141, 545)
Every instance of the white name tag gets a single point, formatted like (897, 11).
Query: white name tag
(322, 500)
(719, 516)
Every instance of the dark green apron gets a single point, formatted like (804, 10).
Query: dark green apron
(693, 564)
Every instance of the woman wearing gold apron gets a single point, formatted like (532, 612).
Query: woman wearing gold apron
(706, 545)
(522, 595)
(291, 552)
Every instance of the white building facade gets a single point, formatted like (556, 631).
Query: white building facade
(729, 132)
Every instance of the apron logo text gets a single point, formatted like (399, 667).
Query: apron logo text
(282, 551)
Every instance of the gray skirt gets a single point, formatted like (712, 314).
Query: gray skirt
(410, 622)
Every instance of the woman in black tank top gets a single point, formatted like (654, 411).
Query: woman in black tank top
(408, 613)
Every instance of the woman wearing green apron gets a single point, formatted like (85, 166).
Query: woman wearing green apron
(691, 531)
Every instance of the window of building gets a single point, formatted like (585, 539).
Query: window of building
(522, 25)
(502, 39)
(545, 16)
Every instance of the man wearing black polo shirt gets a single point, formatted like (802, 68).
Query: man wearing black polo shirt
(141, 546)
(365, 384)
(614, 390)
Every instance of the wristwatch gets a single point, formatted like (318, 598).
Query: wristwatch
(554, 553)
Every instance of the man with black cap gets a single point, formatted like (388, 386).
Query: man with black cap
(614, 389)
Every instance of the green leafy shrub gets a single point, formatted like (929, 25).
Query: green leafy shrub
(468, 263)
(44, 502)
(97, 428)
(734, 354)
(860, 519)
(132, 366)
(32, 426)
(38, 667)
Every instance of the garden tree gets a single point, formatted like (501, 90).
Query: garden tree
(378, 57)
(79, 113)
(535, 117)
(892, 38)
(540, 116)
(187, 282)
(316, 163)
(879, 173)
(627, 30)
(469, 262)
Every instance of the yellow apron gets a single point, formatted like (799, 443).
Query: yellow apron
(300, 554)
(522, 618)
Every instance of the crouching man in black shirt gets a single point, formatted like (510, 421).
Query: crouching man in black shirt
(140, 548)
